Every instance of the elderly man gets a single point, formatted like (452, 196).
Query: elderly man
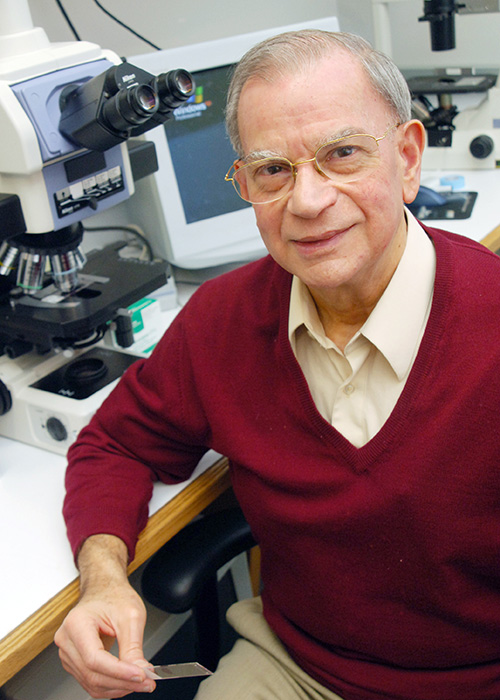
(351, 377)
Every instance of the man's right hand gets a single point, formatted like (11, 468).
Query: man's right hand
(109, 610)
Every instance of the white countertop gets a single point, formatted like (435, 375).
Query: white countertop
(36, 558)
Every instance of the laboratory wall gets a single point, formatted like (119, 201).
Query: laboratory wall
(169, 23)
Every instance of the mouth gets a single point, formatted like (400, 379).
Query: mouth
(320, 243)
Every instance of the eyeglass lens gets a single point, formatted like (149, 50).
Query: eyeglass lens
(269, 179)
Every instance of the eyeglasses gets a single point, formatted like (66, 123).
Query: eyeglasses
(342, 160)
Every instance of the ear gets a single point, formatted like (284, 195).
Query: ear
(411, 147)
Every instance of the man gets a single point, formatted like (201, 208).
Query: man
(351, 377)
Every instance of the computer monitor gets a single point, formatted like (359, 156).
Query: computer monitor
(193, 217)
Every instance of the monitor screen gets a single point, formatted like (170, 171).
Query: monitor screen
(200, 149)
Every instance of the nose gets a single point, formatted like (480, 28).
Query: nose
(312, 192)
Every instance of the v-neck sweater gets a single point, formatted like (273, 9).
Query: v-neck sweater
(380, 564)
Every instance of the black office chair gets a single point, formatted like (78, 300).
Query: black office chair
(182, 575)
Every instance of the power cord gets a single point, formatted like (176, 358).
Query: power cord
(113, 17)
(69, 22)
(126, 26)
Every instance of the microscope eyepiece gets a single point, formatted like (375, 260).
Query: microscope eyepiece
(185, 82)
(130, 107)
(145, 98)
(174, 88)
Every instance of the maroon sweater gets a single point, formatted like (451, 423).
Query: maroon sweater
(380, 565)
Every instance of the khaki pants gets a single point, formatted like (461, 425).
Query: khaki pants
(259, 667)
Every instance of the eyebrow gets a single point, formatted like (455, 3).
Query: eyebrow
(258, 155)
(349, 131)
(343, 133)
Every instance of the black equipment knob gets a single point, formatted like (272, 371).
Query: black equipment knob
(124, 329)
(16, 348)
(482, 146)
(56, 429)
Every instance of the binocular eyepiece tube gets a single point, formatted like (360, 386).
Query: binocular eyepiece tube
(123, 101)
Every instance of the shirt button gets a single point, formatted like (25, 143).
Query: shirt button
(348, 389)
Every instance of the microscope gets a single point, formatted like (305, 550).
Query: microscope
(68, 115)
(460, 107)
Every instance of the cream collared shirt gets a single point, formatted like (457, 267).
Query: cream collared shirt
(356, 390)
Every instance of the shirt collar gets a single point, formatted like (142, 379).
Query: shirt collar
(397, 322)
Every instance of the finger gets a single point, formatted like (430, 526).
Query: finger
(130, 634)
(83, 655)
(111, 680)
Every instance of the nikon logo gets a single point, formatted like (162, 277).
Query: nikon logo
(129, 77)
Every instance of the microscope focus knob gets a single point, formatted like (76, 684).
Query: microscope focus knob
(5, 399)
(482, 146)
(56, 429)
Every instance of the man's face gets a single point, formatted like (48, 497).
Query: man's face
(344, 237)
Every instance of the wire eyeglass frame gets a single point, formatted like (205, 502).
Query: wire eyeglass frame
(291, 168)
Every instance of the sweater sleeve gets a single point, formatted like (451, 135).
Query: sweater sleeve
(152, 426)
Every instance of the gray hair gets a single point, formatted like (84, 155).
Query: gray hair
(282, 54)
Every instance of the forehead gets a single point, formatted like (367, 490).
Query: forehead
(327, 98)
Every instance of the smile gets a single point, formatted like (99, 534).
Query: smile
(318, 244)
